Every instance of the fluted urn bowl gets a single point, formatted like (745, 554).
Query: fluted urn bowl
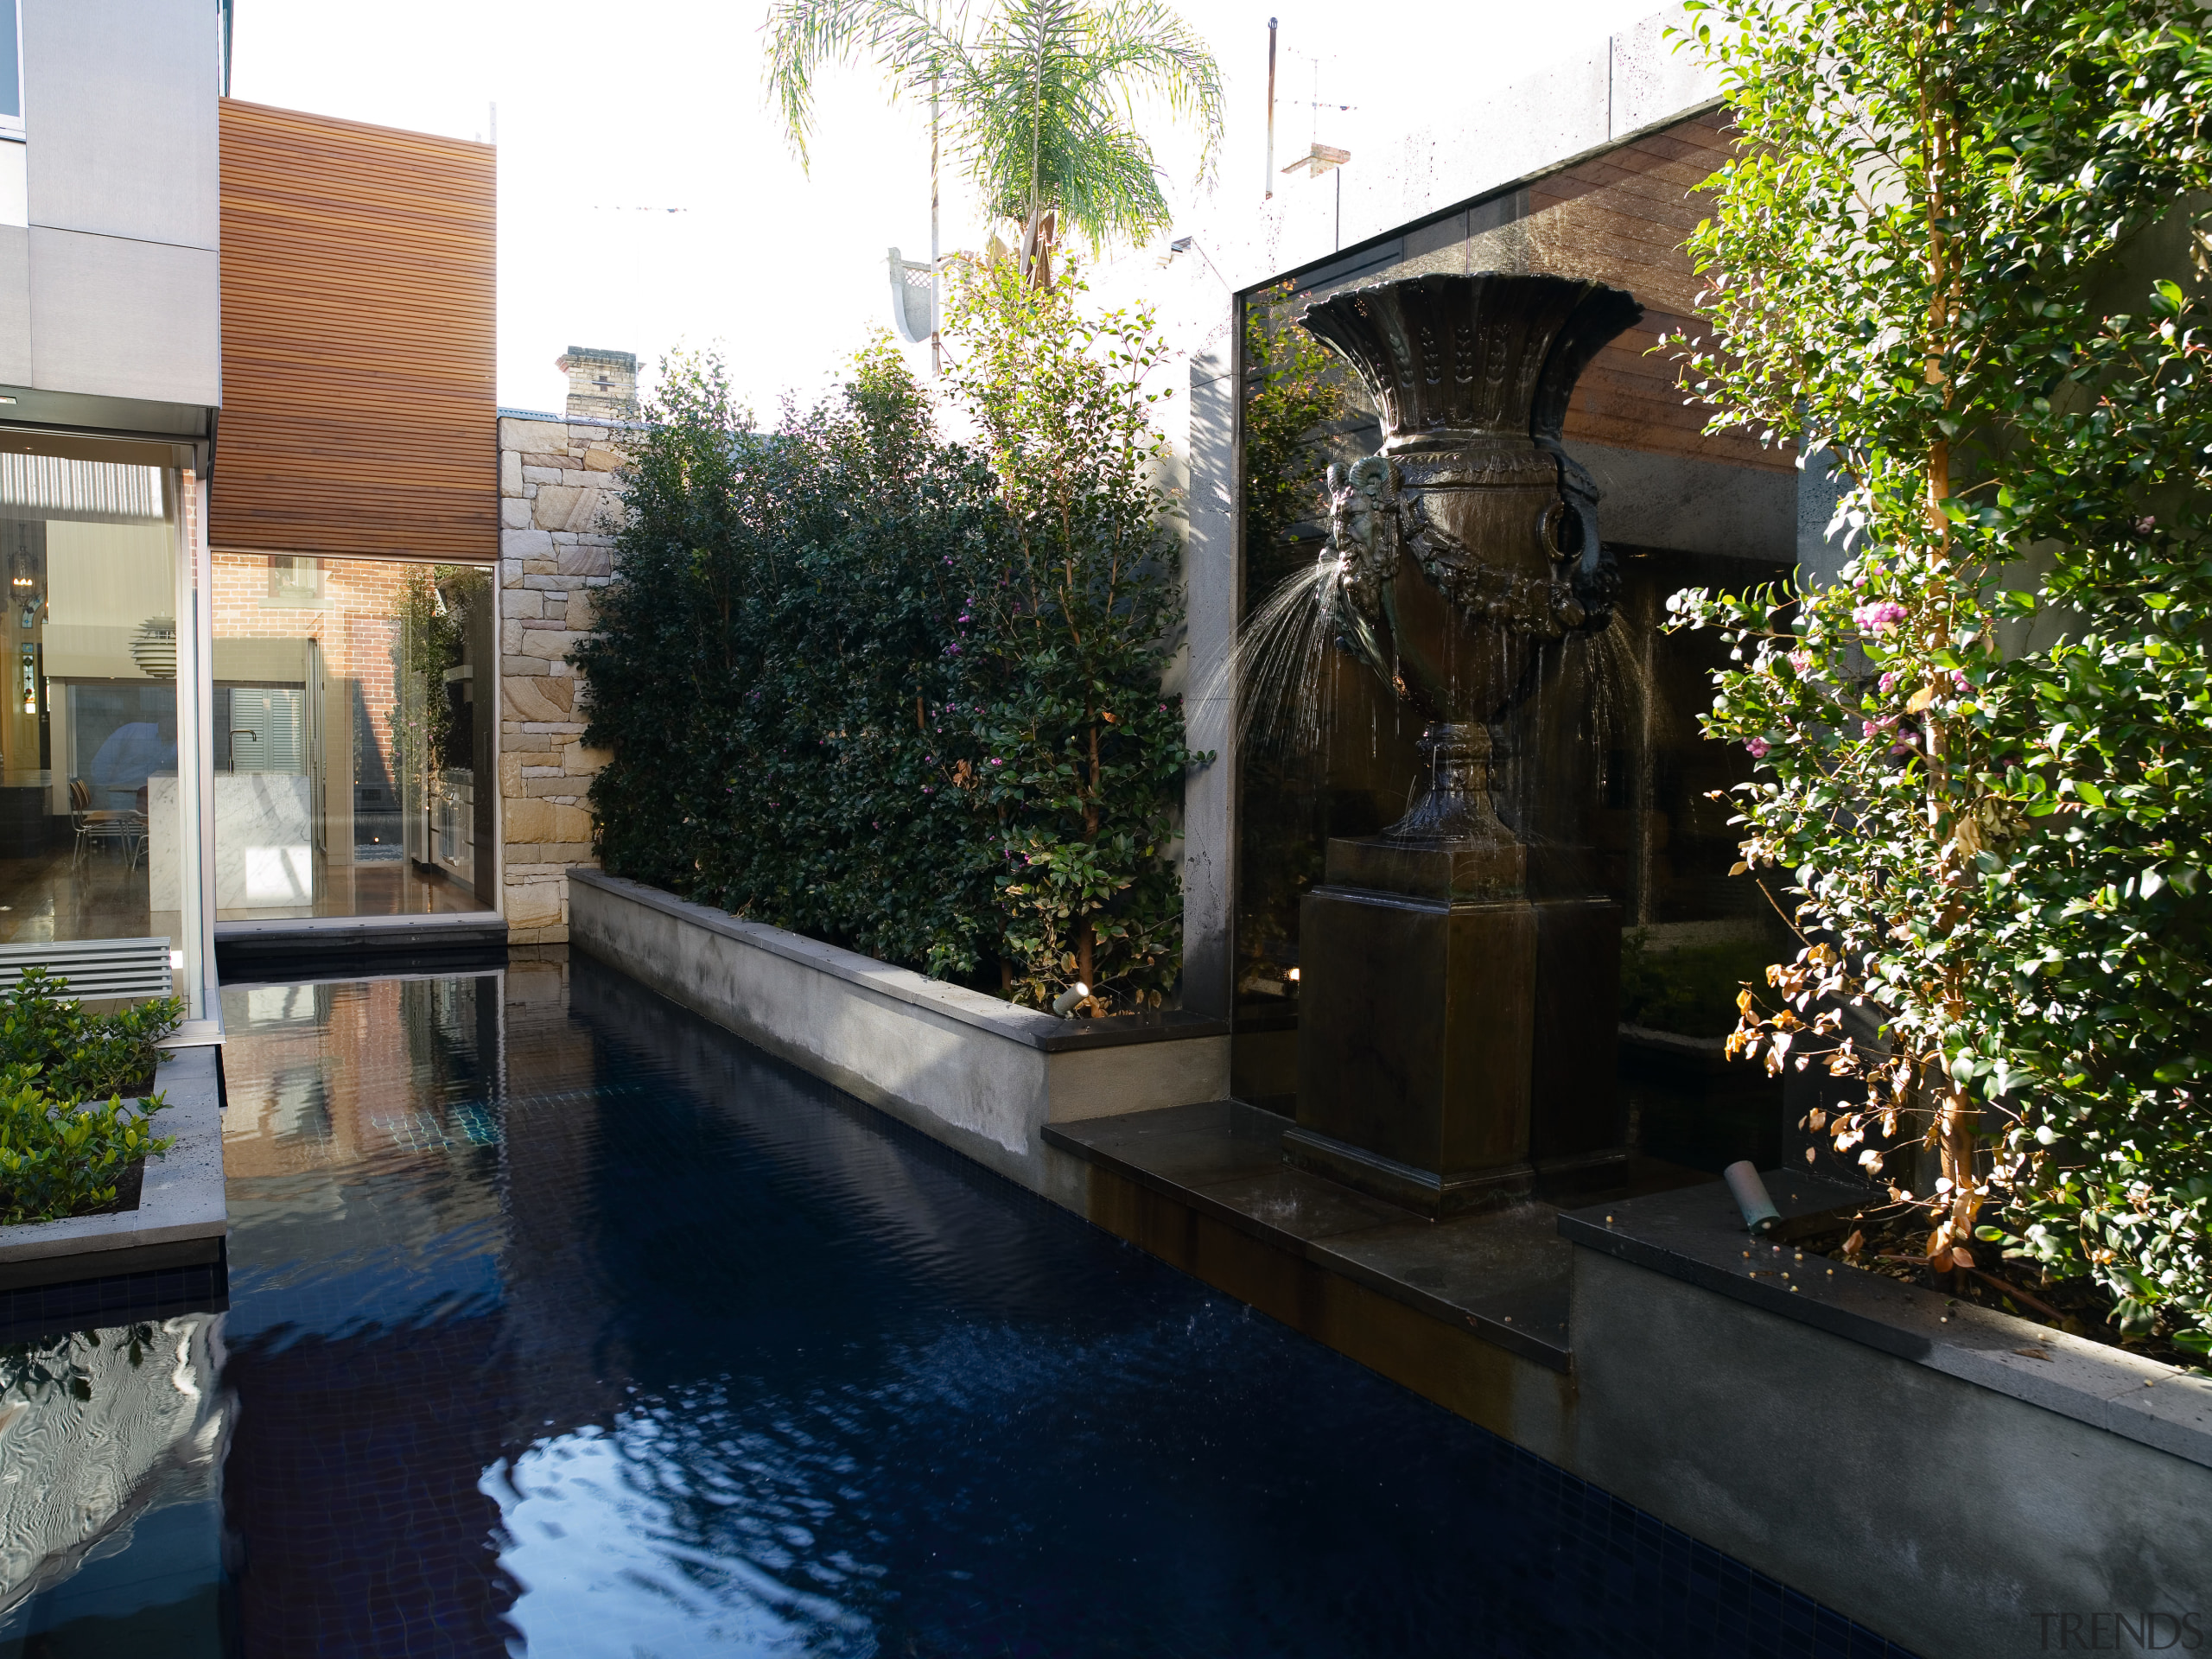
(1470, 538)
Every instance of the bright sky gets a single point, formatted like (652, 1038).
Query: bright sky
(647, 201)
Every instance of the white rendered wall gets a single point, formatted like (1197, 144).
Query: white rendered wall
(116, 284)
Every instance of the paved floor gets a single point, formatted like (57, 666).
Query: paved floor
(105, 897)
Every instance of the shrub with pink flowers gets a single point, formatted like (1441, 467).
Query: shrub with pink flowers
(1984, 754)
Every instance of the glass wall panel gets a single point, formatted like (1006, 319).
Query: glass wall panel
(347, 741)
(11, 71)
(1602, 771)
(90, 830)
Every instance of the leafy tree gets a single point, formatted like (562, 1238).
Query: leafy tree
(1039, 97)
(876, 686)
(768, 668)
(1952, 252)
(1075, 610)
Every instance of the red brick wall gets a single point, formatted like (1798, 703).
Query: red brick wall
(357, 624)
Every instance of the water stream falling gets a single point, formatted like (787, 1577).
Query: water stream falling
(1278, 669)
(1280, 673)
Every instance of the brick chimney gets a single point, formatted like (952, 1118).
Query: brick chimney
(602, 385)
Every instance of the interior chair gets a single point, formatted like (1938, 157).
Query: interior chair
(96, 824)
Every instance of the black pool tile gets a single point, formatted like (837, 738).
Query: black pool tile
(567, 1324)
(40, 1312)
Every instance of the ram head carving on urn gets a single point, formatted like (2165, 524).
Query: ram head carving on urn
(1469, 540)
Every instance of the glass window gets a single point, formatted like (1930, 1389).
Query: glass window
(11, 71)
(294, 581)
(347, 738)
(90, 828)
(1331, 750)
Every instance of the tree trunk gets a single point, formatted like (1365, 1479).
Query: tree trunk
(1086, 936)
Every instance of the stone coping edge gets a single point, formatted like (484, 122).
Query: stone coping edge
(1069, 1139)
(180, 1196)
(1028, 1027)
(1696, 1235)
(326, 930)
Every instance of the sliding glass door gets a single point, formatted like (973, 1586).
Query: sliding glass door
(94, 843)
(354, 727)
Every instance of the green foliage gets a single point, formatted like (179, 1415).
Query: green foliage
(1039, 97)
(79, 1055)
(1074, 611)
(1691, 989)
(779, 642)
(867, 685)
(1292, 385)
(57, 1159)
(63, 1150)
(1952, 250)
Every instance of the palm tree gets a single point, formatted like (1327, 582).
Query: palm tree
(1037, 96)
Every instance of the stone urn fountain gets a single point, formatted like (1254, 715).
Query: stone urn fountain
(1457, 1032)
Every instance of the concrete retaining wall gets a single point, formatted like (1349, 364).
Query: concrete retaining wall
(1948, 1516)
(977, 1073)
(1971, 1485)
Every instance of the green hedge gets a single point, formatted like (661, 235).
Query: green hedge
(902, 694)
(64, 1150)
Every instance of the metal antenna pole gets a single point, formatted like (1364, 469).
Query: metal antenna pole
(1271, 112)
(937, 352)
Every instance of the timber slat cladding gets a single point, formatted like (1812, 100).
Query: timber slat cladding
(359, 400)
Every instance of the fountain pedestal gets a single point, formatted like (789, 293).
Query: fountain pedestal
(1457, 1023)
(1456, 1037)
(1450, 1050)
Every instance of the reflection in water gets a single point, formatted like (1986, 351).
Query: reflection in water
(563, 1323)
(30, 1370)
(110, 1447)
(602, 1540)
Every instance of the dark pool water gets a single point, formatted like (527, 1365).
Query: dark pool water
(563, 1323)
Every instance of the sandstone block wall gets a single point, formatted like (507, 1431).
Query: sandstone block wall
(557, 493)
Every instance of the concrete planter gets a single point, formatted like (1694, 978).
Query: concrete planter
(1967, 1483)
(979, 1074)
(1962, 1481)
(180, 1220)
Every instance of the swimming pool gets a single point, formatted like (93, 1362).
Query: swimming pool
(564, 1323)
